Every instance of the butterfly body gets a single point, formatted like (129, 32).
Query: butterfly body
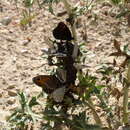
(62, 32)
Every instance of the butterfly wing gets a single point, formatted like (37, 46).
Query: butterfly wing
(62, 32)
(48, 83)
(58, 94)
(61, 74)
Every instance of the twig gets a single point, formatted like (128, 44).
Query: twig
(125, 98)
(107, 111)
(95, 115)
(70, 13)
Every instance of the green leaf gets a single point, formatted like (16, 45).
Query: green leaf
(28, 3)
(33, 102)
(116, 2)
(47, 126)
(99, 87)
(22, 100)
(26, 20)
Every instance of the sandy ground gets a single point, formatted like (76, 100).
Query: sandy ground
(21, 60)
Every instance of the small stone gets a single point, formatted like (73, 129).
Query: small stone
(1, 92)
(11, 86)
(12, 93)
(25, 42)
(3, 115)
(11, 100)
(14, 59)
(1, 102)
(6, 21)
(9, 39)
(24, 51)
(13, 107)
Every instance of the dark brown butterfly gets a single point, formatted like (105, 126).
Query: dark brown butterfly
(48, 83)
(51, 85)
(62, 32)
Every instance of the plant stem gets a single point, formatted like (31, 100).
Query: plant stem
(105, 108)
(70, 13)
(125, 97)
(95, 115)
(125, 105)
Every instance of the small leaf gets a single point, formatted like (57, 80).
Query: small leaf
(26, 20)
(22, 100)
(33, 102)
(116, 2)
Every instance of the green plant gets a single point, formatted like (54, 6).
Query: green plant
(24, 115)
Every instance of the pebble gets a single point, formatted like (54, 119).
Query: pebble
(25, 42)
(1, 93)
(24, 51)
(13, 107)
(6, 20)
(12, 93)
(14, 59)
(3, 115)
(11, 100)
(11, 86)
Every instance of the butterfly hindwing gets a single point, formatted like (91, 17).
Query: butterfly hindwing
(51, 85)
(58, 94)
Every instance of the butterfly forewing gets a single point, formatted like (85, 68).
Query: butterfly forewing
(62, 32)
(49, 83)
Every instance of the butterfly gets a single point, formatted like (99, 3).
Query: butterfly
(48, 83)
(51, 85)
(62, 32)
